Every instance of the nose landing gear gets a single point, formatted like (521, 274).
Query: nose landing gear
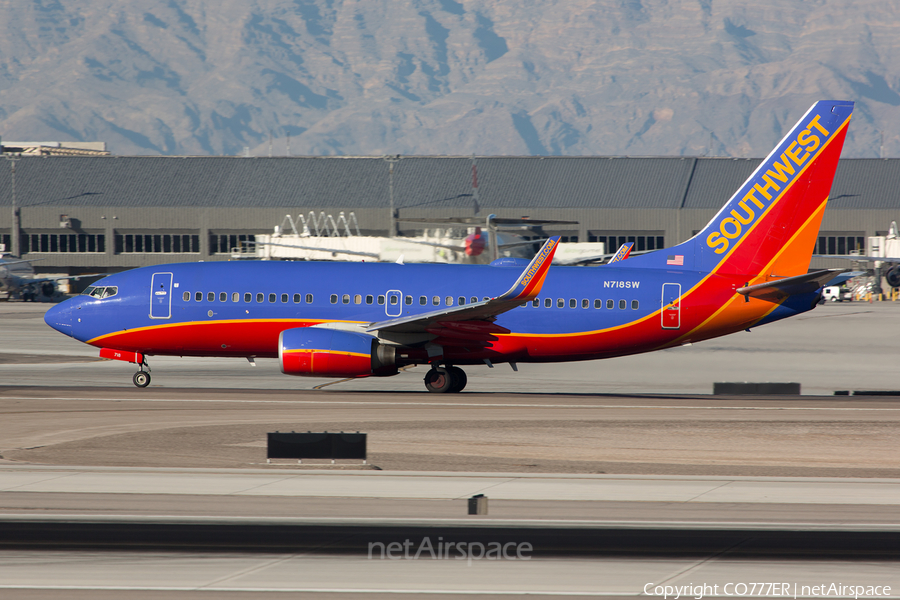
(142, 378)
(443, 380)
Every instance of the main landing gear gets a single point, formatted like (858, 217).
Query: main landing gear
(445, 379)
(142, 378)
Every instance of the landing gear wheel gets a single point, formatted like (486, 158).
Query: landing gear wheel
(141, 379)
(438, 380)
(459, 379)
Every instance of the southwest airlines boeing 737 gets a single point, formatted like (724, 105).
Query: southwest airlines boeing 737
(746, 268)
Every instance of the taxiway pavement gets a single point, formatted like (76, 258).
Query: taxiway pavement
(837, 346)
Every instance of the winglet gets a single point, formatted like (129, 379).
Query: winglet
(622, 253)
(529, 284)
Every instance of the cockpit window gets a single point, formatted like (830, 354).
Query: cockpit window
(101, 292)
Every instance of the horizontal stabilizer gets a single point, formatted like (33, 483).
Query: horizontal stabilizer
(778, 290)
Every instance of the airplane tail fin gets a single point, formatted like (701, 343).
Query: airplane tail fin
(769, 226)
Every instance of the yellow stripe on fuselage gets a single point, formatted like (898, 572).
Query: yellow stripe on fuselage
(99, 338)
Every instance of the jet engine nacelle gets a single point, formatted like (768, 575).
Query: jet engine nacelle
(319, 352)
(893, 276)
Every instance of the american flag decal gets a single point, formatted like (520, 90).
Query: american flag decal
(677, 259)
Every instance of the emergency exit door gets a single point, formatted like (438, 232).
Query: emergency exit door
(671, 306)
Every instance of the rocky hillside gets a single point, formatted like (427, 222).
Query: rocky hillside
(351, 77)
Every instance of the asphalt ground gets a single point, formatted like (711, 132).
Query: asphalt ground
(650, 415)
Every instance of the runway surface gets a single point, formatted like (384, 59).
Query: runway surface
(619, 473)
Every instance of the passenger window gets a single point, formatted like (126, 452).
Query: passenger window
(634, 305)
(448, 300)
(408, 299)
(296, 298)
(272, 297)
(284, 298)
(485, 298)
(585, 303)
(381, 299)
(187, 296)
(248, 296)
(536, 303)
(573, 302)
(236, 297)
(345, 298)
(198, 296)
(223, 296)
(560, 302)
(394, 299)
(610, 304)
(621, 305)
(260, 296)
(357, 299)
(461, 300)
(473, 300)
(309, 298)
(598, 303)
(210, 296)
(436, 300)
(334, 298)
(369, 299)
(548, 302)
(423, 300)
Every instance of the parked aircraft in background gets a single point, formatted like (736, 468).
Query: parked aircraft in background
(493, 237)
(884, 249)
(746, 268)
(18, 280)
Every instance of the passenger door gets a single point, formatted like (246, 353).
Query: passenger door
(161, 296)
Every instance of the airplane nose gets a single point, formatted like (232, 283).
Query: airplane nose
(59, 317)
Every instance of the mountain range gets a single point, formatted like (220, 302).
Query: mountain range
(445, 77)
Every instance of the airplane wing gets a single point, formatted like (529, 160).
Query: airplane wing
(841, 278)
(332, 250)
(59, 278)
(4, 263)
(480, 221)
(891, 259)
(776, 291)
(525, 289)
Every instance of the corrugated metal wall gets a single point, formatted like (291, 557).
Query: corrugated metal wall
(205, 195)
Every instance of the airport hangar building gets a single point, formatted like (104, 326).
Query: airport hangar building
(82, 214)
